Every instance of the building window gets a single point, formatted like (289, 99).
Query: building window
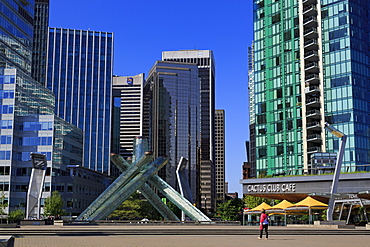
(276, 18)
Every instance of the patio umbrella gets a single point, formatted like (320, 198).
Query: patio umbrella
(280, 208)
(308, 203)
(258, 209)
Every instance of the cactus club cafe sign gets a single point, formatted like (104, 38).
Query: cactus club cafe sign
(272, 188)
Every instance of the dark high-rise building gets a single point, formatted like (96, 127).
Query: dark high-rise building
(40, 38)
(79, 72)
(173, 114)
(206, 186)
(220, 154)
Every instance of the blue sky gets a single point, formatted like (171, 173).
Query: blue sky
(144, 28)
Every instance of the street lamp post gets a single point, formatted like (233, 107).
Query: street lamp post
(338, 167)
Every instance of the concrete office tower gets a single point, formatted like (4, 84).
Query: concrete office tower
(79, 72)
(40, 37)
(220, 154)
(206, 64)
(310, 67)
(128, 94)
(174, 117)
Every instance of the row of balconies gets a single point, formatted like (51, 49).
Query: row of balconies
(312, 79)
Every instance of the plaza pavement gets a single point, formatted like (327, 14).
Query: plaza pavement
(194, 240)
(186, 236)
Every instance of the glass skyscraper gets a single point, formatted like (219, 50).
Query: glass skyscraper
(310, 66)
(204, 59)
(173, 115)
(27, 121)
(79, 72)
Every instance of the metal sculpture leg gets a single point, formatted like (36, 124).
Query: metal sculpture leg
(123, 179)
(147, 192)
(36, 184)
(127, 190)
(180, 201)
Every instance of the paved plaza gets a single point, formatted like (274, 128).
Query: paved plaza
(138, 235)
(193, 240)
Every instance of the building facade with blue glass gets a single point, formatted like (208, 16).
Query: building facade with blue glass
(27, 121)
(79, 72)
(173, 117)
(204, 59)
(310, 66)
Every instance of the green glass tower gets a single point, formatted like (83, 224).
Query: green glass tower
(309, 66)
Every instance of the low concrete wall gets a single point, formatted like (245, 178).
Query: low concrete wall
(11, 225)
(32, 222)
(328, 225)
(324, 226)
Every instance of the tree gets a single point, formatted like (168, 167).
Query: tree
(54, 205)
(3, 205)
(254, 201)
(230, 210)
(16, 215)
(128, 209)
(135, 207)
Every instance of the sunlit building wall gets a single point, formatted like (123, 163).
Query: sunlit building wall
(310, 67)
(79, 72)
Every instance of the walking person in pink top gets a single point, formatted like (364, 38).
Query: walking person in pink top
(264, 224)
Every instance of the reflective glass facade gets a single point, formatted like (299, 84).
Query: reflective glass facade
(309, 67)
(27, 120)
(174, 117)
(204, 59)
(16, 33)
(40, 37)
(79, 72)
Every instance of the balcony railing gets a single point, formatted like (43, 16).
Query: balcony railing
(313, 124)
(309, 2)
(311, 43)
(310, 54)
(310, 30)
(313, 100)
(309, 8)
(311, 77)
(313, 65)
(309, 20)
(312, 112)
(313, 149)
(313, 137)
